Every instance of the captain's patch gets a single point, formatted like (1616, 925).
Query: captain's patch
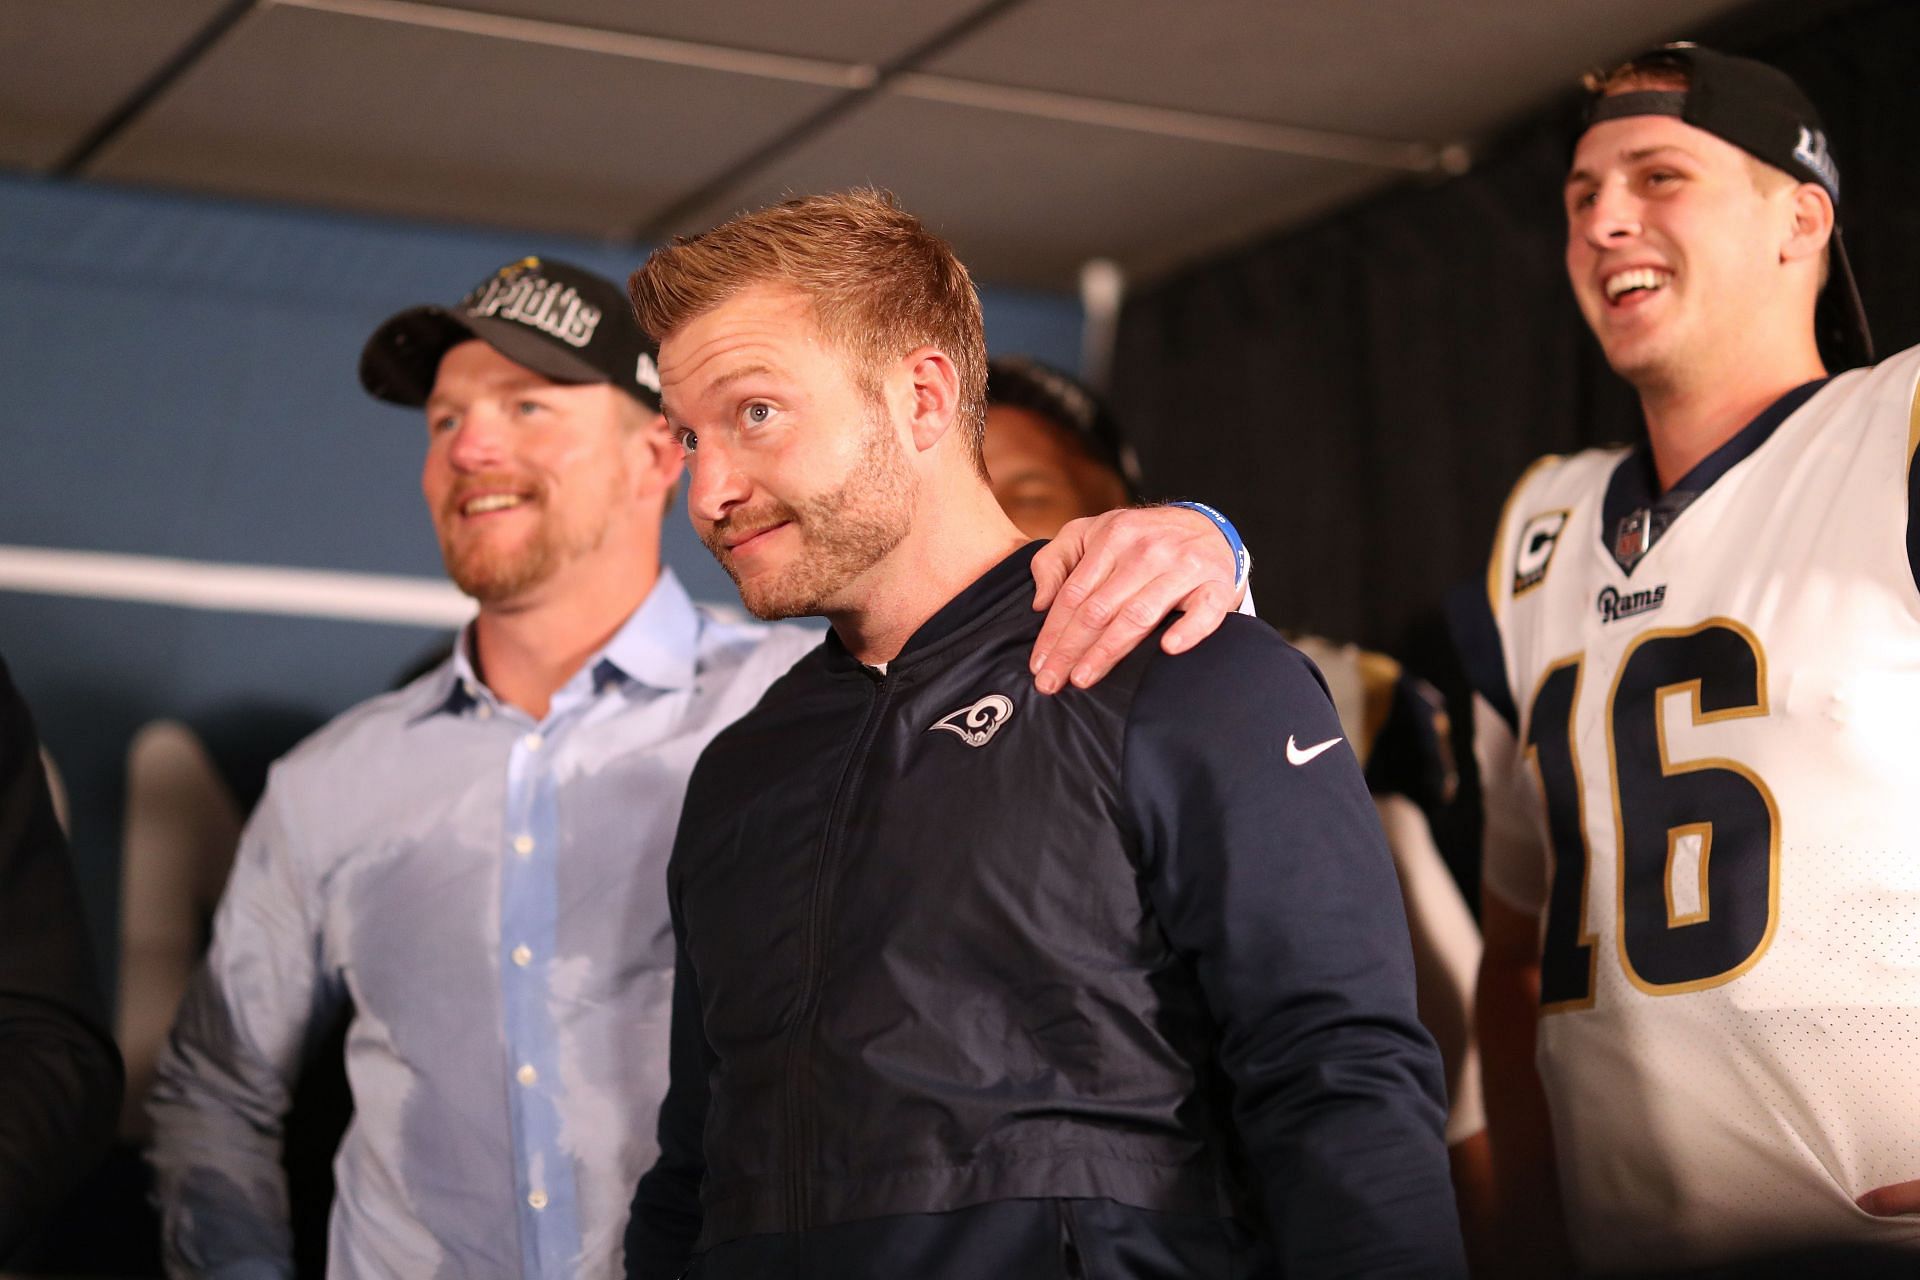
(1537, 540)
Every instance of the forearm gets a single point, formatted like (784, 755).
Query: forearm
(218, 1177)
(225, 1079)
(1525, 1181)
(1351, 1165)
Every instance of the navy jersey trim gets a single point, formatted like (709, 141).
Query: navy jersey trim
(1634, 484)
(1913, 488)
(1476, 637)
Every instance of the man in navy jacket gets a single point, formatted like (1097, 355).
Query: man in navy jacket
(974, 982)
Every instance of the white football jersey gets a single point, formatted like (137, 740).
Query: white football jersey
(1708, 784)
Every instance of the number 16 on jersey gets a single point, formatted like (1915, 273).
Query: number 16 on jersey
(1698, 880)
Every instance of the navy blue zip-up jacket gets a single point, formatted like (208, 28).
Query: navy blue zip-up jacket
(976, 983)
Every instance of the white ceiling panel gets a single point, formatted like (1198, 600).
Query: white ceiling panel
(69, 64)
(866, 31)
(393, 118)
(1026, 201)
(1413, 69)
(1049, 133)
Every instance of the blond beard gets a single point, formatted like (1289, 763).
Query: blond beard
(844, 531)
(496, 575)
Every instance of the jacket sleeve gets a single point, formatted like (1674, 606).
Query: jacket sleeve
(665, 1220)
(60, 1076)
(224, 1081)
(1263, 858)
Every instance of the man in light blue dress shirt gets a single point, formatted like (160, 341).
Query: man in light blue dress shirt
(475, 863)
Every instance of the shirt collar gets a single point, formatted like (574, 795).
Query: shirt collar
(1635, 483)
(656, 646)
(659, 645)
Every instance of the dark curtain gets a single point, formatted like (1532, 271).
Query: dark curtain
(1361, 394)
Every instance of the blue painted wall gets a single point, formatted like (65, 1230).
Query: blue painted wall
(178, 379)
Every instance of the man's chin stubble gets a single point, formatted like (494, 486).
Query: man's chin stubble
(489, 580)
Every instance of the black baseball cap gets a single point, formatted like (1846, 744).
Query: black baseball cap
(1070, 404)
(559, 320)
(1760, 110)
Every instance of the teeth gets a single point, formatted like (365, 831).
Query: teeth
(1639, 278)
(491, 502)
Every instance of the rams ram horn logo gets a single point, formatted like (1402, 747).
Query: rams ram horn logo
(976, 725)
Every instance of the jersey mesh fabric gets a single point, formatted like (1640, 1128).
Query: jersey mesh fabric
(1743, 1109)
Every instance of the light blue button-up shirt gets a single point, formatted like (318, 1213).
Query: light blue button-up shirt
(488, 893)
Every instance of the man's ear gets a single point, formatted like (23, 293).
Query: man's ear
(1811, 210)
(933, 385)
(658, 457)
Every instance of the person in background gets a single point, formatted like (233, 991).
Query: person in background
(60, 1075)
(474, 864)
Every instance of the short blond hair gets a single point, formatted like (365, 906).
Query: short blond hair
(881, 285)
(1654, 71)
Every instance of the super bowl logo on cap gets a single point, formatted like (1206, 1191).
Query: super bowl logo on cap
(1811, 151)
(647, 373)
(519, 293)
(1538, 538)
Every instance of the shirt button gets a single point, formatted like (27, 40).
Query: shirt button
(523, 845)
(484, 711)
(538, 1200)
(522, 955)
(534, 741)
(527, 1075)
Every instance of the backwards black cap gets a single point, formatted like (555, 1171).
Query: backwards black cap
(1062, 399)
(1760, 110)
(560, 321)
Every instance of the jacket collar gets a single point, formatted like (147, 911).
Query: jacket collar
(955, 619)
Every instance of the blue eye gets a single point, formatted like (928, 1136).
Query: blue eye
(689, 440)
(758, 413)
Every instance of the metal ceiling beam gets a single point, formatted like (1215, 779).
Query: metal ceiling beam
(860, 81)
(618, 44)
(664, 221)
(164, 77)
(1188, 126)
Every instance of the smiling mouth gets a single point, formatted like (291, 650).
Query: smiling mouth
(488, 503)
(1639, 280)
(740, 542)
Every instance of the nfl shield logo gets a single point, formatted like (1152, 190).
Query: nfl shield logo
(1630, 541)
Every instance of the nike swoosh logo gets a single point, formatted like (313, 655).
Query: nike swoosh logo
(1295, 756)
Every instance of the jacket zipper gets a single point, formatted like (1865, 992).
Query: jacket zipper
(819, 909)
(1073, 1263)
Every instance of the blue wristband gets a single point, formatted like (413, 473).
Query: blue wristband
(1242, 559)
